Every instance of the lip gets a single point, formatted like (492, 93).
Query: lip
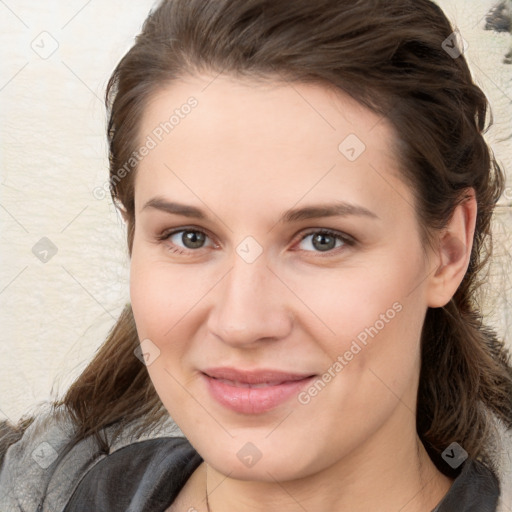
(253, 391)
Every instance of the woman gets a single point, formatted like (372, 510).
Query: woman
(308, 198)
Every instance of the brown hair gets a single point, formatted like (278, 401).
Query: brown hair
(389, 56)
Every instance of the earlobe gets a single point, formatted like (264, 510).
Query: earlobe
(454, 250)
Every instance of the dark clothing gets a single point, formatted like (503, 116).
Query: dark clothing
(476, 489)
(142, 477)
(147, 477)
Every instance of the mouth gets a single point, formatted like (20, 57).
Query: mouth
(238, 384)
(253, 392)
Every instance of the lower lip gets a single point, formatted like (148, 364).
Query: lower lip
(254, 400)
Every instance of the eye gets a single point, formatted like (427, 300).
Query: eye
(184, 240)
(324, 241)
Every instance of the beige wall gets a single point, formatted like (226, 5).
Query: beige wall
(53, 155)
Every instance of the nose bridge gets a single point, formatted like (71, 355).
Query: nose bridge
(249, 305)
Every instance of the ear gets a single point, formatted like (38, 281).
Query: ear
(453, 252)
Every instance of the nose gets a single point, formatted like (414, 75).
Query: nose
(250, 306)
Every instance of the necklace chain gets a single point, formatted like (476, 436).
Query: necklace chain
(207, 501)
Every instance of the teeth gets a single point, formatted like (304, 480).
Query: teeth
(246, 385)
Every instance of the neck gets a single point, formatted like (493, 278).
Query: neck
(382, 475)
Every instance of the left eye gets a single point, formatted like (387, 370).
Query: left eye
(323, 241)
(188, 238)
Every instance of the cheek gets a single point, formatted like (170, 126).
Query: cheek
(161, 294)
(344, 304)
(161, 298)
(368, 322)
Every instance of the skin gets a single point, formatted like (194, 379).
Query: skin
(248, 152)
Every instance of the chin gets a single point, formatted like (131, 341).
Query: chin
(264, 460)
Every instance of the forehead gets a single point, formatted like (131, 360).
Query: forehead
(266, 138)
(241, 108)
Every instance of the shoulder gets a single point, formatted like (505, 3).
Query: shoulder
(476, 489)
(27, 464)
(41, 470)
(144, 476)
(485, 487)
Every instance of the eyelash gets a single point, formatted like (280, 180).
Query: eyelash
(346, 239)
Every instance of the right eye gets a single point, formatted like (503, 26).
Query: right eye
(186, 240)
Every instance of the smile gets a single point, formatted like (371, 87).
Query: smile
(253, 392)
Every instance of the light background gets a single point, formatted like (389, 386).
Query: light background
(54, 315)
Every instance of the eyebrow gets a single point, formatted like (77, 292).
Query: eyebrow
(337, 209)
(161, 204)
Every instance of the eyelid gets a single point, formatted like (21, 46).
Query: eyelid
(347, 240)
(333, 232)
(166, 234)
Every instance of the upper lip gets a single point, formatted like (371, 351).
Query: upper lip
(258, 376)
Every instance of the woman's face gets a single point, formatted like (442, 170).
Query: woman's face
(278, 280)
